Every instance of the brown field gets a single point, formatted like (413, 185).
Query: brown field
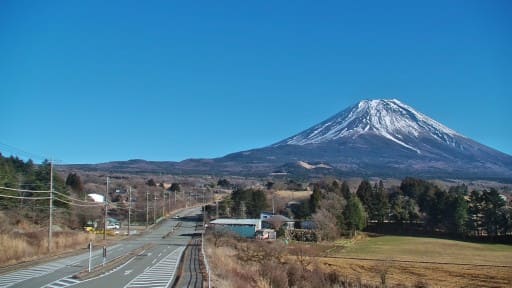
(365, 262)
(293, 195)
(437, 262)
(34, 245)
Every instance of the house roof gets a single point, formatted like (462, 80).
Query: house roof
(278, 218)
(230, 221)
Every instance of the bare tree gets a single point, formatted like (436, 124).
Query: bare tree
(326, 224)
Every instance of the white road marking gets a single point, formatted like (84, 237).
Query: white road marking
(161, 274)
(127, 272)
(13, 278)
(64, 282)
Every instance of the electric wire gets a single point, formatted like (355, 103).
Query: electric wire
(24, 190)
(75, 204)
(25, 198)
(74, 199)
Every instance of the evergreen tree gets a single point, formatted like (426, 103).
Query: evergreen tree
(459, 208)
(75, 182)
(335, 187)
(364, 193)
(224, 183)
(301, 210)
(248, 202)
(345, 190)
(380, 204)
(151, 182)
(315, 198)
(475, 217)
(354, 215)
(493, 211)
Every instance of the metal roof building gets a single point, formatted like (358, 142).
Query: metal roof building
(242, 227)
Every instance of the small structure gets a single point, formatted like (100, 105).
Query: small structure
(242, 227)
(266, 214)
(276, 221)
(266, 234)
(97, 197)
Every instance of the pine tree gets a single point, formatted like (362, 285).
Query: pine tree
(354, 215)
(345, 190)
(315, 198)
(365, 194)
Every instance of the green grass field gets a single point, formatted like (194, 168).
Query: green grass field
(436, 262)
(429, 249)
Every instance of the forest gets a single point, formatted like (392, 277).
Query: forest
(416, 206)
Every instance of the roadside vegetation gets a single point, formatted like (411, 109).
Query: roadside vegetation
(244, 263)
(25, 207)
(351, 250)
(23, 241)
(387, 261)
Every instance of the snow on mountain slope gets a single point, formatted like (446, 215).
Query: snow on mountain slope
(390, 119)
(382, 138)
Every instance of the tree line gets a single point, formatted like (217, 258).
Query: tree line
(415, 202)
(19, 178)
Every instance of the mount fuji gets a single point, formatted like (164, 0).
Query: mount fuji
(384, 138)
(378, 138)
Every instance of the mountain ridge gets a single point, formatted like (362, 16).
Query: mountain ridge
(371, 138)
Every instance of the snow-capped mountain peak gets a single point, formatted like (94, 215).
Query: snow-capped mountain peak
(391, 119)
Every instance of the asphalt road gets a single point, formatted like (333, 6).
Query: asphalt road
(153, 267)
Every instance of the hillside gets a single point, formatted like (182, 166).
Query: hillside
(382, 138)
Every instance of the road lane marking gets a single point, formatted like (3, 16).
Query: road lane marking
(61, 283)
(16, 277)
(161, 274)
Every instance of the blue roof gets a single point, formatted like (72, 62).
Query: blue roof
(231, 221)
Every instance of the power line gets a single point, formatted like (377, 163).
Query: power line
(16, 150)
(23, 190)
(71, 198)
(26, 198)
(75, 204)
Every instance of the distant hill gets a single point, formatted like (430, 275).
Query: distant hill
(372, 138)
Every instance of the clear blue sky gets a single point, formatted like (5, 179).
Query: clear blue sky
(95, 81)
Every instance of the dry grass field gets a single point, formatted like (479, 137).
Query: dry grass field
(365, 262)
(19, 247)
(412, 260)
(293, 195)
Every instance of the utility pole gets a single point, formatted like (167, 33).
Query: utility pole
(163, 205)
(21, 195)
(154, 208)
(129, 207)
(204, 208)
(147, 208)
(51, 208)
(169, 197)
(105, 216)
(273, 205)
